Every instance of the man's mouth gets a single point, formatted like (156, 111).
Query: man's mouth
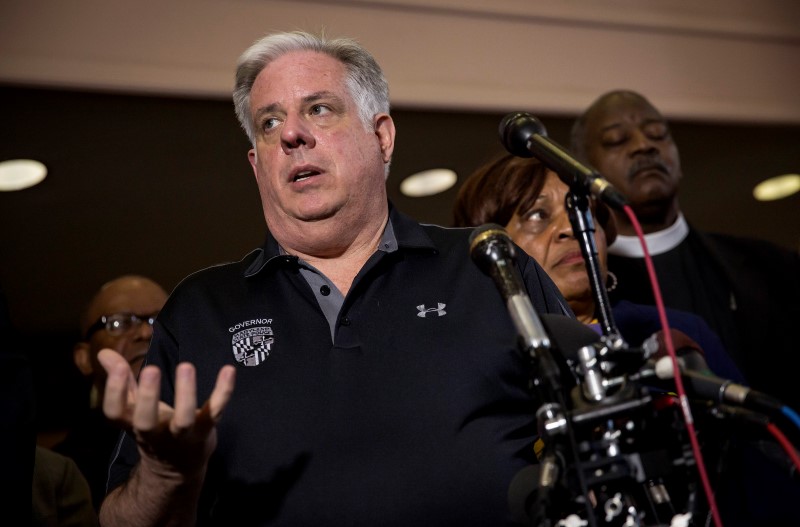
(649, 165)
(303, 175)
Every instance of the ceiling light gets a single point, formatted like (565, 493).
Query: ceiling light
(17, 174)
(777, 187)
(428, 182)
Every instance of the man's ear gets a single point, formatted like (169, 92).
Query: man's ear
(252, 157)
(82, 356)
(384, 129)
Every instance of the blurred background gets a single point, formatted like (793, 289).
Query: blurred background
(128, 106)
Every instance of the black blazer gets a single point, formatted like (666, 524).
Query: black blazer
(751, 290)
(765, 282)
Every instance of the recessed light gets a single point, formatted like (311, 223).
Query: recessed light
(777, 187)
(428, 182)
(17, 174)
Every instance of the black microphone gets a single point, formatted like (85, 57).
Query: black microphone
(492, 251)
(525, 136)
(708, 386)
(568, 334)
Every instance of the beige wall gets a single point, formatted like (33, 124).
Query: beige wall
(729, 60)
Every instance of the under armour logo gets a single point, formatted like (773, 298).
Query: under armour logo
(438, 310)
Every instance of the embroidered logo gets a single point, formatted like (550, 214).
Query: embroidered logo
(423, 311)
(251, 346)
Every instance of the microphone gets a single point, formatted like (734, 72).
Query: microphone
(492, 251)
(700, 382)
(569, 335)
(525, 136)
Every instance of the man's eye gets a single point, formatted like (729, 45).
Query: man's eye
(657, 132)
(270, 123)
(613, 140)
(319, 109)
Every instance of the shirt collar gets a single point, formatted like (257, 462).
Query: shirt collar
(401, 232)
(657, 242)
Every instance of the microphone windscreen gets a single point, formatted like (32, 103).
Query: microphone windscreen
(484, 232)
(522, 493)
(516, 130)
(680, 340)
(568, 335)
(488, 244)
(690, 354)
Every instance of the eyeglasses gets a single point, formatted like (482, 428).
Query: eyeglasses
(119, 323)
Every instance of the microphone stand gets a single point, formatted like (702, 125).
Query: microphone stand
(492, 251)
(580, 217)
(616, 482)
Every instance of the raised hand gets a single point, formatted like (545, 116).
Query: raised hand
(175, 443)
(180, 437)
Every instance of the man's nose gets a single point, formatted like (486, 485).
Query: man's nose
(144, 330)
(296, 133)
(640, 143)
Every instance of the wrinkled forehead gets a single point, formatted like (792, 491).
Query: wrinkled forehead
(316, 70)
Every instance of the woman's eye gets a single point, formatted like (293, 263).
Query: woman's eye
(536, 215)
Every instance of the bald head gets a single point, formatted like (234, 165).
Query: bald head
(629, 142)
(126, 295)
(578, 139)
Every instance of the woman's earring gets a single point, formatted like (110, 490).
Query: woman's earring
(611, 282)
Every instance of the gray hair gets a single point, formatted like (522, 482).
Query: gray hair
(364, 77)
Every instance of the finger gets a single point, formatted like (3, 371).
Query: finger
(185, 398)
(118, 385)
(223, 390)
(111, 359)
(145, 413)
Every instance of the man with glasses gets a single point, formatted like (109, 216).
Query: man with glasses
(120, 317)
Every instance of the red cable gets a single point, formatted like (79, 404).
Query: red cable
(687, 412)
(785, 443)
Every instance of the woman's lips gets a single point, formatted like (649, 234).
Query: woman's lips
(571, 258)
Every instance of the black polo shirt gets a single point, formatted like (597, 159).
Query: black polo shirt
(416, 413)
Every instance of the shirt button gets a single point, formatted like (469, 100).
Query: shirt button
(325, 290)
(344, 321)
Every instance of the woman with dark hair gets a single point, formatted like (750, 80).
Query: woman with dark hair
(528, 200)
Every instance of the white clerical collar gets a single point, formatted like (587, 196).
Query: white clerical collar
(657, 242)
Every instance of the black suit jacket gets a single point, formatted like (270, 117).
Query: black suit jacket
(754, 286)
(765, 282)
(755, 297)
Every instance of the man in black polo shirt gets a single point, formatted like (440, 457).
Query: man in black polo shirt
(378, 379)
